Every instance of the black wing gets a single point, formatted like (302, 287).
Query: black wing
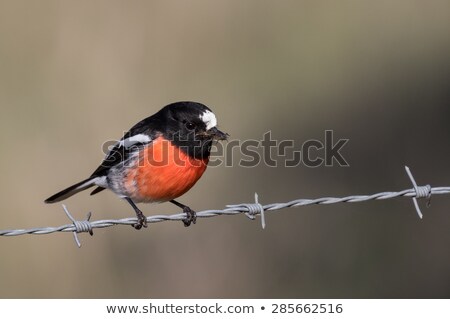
(136, 138)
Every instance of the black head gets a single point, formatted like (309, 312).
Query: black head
(191, 126)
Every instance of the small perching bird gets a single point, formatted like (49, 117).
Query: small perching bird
(157, 160)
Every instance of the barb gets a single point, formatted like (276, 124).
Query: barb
(250, 210)
(422, 191)
(80, 226)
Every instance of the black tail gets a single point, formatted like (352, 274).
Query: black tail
(72, 190)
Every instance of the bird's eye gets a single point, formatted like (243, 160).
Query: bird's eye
(190, 126)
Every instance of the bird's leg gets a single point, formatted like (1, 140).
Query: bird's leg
(191, 215)
(142, 220)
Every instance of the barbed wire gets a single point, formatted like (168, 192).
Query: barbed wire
(251, 210)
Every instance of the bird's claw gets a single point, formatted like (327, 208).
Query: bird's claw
(191, 216)
(141, 221)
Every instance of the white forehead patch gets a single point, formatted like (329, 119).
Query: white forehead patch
(209, 119)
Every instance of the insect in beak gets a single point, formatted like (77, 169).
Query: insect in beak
(216, 134)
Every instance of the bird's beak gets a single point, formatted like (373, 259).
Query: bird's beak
(217, 135)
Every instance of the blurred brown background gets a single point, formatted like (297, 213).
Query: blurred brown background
(74, 74)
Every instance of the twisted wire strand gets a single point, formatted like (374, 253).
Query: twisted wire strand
(249, 209)
(233, 210)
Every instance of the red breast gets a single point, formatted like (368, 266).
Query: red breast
(164, 172)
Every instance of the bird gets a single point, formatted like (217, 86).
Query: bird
(159, 159)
